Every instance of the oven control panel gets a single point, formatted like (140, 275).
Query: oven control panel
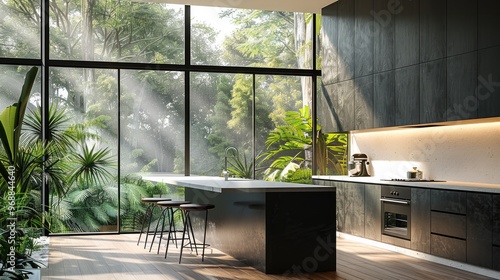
(396, 192)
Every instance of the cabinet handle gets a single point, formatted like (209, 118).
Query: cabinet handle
(395, 201)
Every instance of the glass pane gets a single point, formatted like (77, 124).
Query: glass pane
(332, 147)
(221, 117)
(152, 138)
(239, 37)
(84, 150)
(276, 97)
(25, 160)
(20, 29)
(123, 31)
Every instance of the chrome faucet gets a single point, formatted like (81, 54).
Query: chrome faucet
(226, 152)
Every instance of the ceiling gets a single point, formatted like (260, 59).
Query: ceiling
(311, 6)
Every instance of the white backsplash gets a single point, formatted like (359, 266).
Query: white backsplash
(467, 153)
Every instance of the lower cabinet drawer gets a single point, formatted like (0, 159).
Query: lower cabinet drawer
(496, 258)
(449, 247)
(453, 225)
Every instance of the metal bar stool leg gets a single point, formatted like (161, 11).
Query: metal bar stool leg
(186, 216)
(204, 236)
(162, 219)
(147, 216)
(188, 226)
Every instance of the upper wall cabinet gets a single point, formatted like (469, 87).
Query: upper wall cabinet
(395, 63)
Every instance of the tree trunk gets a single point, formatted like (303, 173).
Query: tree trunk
(304, 58)
(87, 51)
(303, 47)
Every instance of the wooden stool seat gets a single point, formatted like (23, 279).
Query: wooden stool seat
(197, 207)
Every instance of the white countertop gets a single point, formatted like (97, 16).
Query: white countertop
(448, 185)
(218, 184)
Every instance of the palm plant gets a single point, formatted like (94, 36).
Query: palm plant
(240, 168)
(11, 121)
(289, 149)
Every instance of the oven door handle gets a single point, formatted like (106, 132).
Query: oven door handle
(395, 201)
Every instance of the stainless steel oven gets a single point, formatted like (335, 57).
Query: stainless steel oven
(396, 211)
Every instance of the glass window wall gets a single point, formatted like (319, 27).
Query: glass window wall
(119, 88)
(119, 31)
(20, 33)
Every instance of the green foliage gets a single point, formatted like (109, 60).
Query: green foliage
(11, 120)
(289, 149)
(23, 244)
(241, 168)
(92, 166)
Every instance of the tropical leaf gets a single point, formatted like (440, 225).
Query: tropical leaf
(92, 165)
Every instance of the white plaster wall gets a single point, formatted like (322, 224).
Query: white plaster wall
(468, 153)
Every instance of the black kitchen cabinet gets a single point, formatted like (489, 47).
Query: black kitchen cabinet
(384, 98)
(496, 258)
(406, 51)
(363, 102)
(449, 224)
(461, 26)
(488, 88)
(432, 30)
(461, 79)
(351, 208)
(345, 49)
(407, 96)
(449, 201)
(488, 23)
(458, 225)
(383, 42)
(433, 91)
(363, 38)
(329, 44)
(421, 220)
(496, 232)
(449, 247)
(428, 61)
(496, 219)
(344, 105)
(479, 229)
(373, 220)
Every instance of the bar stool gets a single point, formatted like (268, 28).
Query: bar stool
(167, 211)
(152, 201)
(187, 209)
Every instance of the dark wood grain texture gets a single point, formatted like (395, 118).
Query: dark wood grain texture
(479, 229)
(433, 91)
(461, 26)
(488, 23)
(363, 38)
(461, 79)
(346, 24)
(421, 220)
(488, 87)
(329, 44)
(432, 29)
(407, 34)
(407, 95)
(384, 99)
(363, 102)
(383, 39)
(373, 209)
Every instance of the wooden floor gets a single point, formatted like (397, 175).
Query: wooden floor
(118, 257)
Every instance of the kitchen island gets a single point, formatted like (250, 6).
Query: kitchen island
(278, 228)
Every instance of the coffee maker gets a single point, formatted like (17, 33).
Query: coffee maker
(358, 165)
